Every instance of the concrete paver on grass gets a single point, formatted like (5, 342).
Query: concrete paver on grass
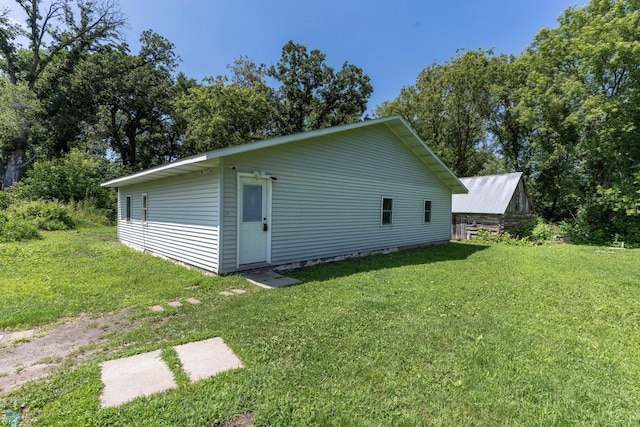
(270, 279)
(144, 374)
(130, 377)
(204, 359)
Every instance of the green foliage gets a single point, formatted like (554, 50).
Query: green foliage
(16, 230)
(536, 229)
(86, 214)
(306, 94)
(45, 215)
(450, 106)
(22, 220)
(19, 109)
(310, 95)
(58, 36)
(581, 100)
(220, 115)
(485, 236)
(74, 177)
(564, 112)
(134, 95)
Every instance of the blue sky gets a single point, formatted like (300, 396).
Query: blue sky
(390, 40)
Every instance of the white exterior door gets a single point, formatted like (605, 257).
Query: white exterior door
(253, 222)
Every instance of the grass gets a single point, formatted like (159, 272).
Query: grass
(86, 270)
(461, 334)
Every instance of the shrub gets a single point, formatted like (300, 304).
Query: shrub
(86, 214)
(525, 228)
(44, 215)
(485, 236)
(72, 178)
(12, 230)
(542, 231)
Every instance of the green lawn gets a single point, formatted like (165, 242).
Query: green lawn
(453, 335)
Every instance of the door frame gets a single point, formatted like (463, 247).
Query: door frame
(267, 180)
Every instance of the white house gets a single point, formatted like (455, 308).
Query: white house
(354, 188)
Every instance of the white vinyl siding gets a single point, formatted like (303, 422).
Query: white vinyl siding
(182, 218)
(326, 200)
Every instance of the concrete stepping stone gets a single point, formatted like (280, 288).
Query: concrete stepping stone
(238, 291)
(270, 279)
(226, 293)
(130, 377)
(156, 308)
(204, 359)
(175, 304)
(193, 301)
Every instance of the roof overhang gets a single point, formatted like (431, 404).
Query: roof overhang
(187, 165)
(395, 124)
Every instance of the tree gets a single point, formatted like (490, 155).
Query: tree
(311, 95)
(220, 115)
(19, 109)
(59, 31)
(449, 107)
(582, 100)
(134, 94)
(242, 108)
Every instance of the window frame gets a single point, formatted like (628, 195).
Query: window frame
(145, 208)
(426, 211)
(383, 211)
(127, 207)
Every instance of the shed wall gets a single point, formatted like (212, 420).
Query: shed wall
(183, 218)
(327, 198)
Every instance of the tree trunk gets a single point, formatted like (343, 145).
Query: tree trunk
(15, 167)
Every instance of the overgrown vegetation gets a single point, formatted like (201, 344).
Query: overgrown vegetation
(460, 334)
(58, 194)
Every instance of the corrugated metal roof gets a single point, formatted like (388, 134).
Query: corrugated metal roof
(488, 194)
(207, 160)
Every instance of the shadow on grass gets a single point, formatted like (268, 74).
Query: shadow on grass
(406, 257)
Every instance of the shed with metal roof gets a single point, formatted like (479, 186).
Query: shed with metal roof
(494, 203)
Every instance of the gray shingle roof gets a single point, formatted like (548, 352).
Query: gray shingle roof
(488, 194)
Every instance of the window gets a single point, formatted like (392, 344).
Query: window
(387, 210)
(128, 209)
(427, 211)
(144, 208)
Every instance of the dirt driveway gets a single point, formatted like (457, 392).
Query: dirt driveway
(69, 340)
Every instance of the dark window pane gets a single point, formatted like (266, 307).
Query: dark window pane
(387, 204)
(427, 211)
(251, 203)
(386, 217)
(128, 209)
